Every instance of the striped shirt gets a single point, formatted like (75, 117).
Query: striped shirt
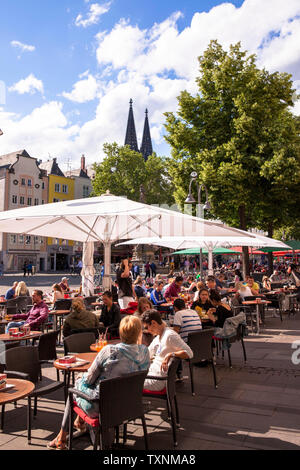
(188, 321)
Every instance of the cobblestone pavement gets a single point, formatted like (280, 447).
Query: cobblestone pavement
(256, 405)
(38, 281)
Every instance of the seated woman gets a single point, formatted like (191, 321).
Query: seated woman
(139, 287)
(112, 361)
(22, 290)
(203, 304)
(57, 293)
(220, 311)
(266, 283)
(110, 315)
(143, 305)
(200, 286)
(79, 318)
(242, 291)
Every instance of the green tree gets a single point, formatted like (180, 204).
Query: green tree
(124, 172)
(241, 138)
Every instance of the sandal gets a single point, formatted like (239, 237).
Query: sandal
(57, 444)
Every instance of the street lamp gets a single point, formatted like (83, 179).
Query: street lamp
(207, 206)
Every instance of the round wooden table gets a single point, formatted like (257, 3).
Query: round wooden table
(32, 335)
(90, 357)
(21, 389)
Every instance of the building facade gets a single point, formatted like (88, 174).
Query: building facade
(22, 183)
(60, 188)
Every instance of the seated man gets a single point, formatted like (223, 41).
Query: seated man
(11, 293)
(166, 345)
(64, 285)
(174, 289)
(110, 315)
(35, 317)
(254, 287)
(185, 320)
(156, 296)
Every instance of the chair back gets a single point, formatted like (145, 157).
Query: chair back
(47, 346)
(24, 359)
(171, 377)
(95, 331)
(89, 300)
(200, 343)
(121, 399)
(22, 303)
(62, 304)
(79, 343)
(12, 306)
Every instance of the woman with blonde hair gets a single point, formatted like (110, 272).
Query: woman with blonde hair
(114, 360)
(79, 318)
(22, 290)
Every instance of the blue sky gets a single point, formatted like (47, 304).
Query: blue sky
(71, 66)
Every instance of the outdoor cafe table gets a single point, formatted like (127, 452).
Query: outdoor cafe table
(89, 357)
(32, 335)
(254, 302)
(22, 388)
(56, 314)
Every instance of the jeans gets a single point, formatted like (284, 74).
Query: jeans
(14, 324)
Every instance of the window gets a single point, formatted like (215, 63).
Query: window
(43, 202)
(23, 182)
(29, 201)
(36, 240)
(21, 239)
(85, 191)
(28, 239)
(65, 188)
(15, 199)
(22, 200)
(57, 188)
(13, 239)
(55, 200)
(30, 183)
(43, 185)
(36, 202)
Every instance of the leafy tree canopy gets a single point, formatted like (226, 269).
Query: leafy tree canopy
(123, 172)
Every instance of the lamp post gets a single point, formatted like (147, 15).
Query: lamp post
(191, 200)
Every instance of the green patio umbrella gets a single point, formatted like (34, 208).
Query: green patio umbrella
(216, 251)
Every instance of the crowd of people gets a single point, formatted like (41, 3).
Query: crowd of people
(160, 312)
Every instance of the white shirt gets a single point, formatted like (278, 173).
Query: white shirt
(168, 342)
(246, 292)
(188, 320)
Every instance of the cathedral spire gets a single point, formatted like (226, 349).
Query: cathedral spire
(146, 148)
(131, 139)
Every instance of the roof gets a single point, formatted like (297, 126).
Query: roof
(11, 158)
(79, 173)
(52, 168)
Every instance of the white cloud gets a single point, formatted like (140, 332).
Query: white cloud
(94, 14)
(152, 66)
(84, 90)
(28, 85)
(23, 47)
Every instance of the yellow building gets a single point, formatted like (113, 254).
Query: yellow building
(60, 188)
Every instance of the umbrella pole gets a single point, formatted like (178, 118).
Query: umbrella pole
(201, 264)
(107, 266)
(210, 262)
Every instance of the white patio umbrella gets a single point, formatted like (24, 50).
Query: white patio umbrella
(88, 270)
(108, 219)
(236, 238)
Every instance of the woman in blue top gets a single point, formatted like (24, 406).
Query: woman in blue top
(112, 361)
